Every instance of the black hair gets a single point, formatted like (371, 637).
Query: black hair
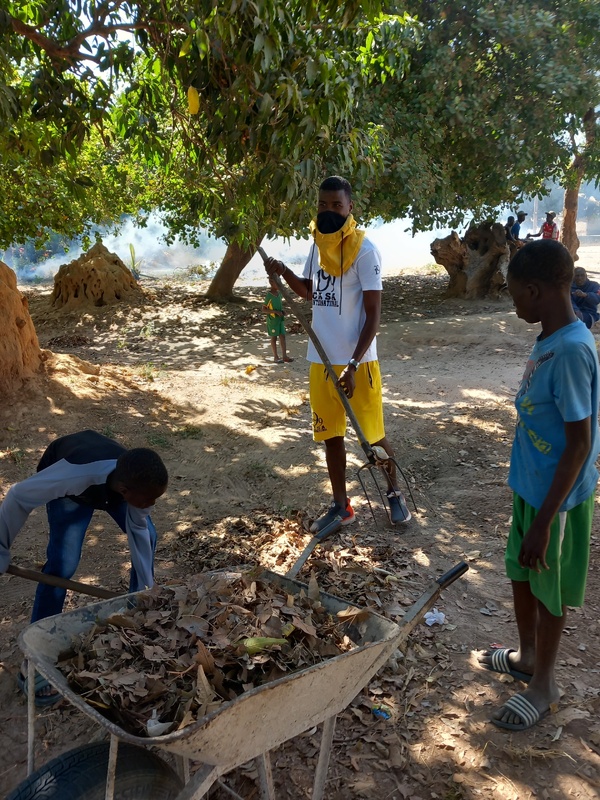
(546, 261)
(140, 468)
(336, 184)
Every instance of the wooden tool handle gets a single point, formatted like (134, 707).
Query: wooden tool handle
(61, 583)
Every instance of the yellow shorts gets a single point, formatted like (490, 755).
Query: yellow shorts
(328, 413)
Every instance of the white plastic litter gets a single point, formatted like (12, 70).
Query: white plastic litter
(435, 617)
(156, 728)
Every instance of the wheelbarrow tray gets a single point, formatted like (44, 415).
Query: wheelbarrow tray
(254, 722)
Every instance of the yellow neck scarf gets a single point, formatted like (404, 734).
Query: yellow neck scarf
(338, 250)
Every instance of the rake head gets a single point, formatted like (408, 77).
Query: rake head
(378, 471)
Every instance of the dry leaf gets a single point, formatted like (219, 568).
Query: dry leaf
(176, 657)
(314, 592)
(352, 614)
(122, 621)
(566, 715)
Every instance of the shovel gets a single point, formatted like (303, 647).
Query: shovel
(61, 583)
(376, 456)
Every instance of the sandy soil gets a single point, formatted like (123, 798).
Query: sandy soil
(245, 476)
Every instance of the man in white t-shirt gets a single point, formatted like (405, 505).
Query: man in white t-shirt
(342, 276)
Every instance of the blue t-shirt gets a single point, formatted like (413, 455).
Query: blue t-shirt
(560, 385)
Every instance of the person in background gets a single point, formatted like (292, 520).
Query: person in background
(273, 308)
(549, 229)
(508, 229)
(585, 297)
(516, 228)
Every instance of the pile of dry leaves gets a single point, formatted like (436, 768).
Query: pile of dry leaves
(183, 651)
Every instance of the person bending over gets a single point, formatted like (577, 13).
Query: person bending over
(77, 475)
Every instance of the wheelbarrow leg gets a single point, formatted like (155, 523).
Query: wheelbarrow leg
(200, 783)
(30, 716)
(265, 776)
(112, 767)
(324, 754)
(183, 768)
(229, 790)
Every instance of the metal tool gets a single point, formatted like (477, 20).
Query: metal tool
(297, 565)
(61, 583)
(376, 456)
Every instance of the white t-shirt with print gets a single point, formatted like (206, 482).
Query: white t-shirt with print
(337, 304)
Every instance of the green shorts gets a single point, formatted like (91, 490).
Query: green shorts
(275, 326)
(567, 557)
(328, 413)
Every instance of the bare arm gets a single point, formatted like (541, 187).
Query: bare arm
(301, 286)
(535, 542)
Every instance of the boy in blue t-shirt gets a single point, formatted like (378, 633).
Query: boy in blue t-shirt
(553, 477)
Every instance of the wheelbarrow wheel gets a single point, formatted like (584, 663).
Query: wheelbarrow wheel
(80, 774)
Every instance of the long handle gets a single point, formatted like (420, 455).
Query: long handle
(455, 572)
(61, 583)
(303, 557)
(417, 611)
(299, 314)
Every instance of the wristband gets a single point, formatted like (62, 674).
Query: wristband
(354, 363)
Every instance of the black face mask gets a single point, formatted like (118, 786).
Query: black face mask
(330, 221)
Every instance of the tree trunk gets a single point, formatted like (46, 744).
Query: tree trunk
(574, 177)
(476, 264)
(234, 261)
(568, 234)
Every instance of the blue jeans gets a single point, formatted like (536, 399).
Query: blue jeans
(68, 523)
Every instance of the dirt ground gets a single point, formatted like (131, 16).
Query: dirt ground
(195, 382)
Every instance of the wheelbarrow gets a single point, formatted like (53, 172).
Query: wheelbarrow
(239, 731)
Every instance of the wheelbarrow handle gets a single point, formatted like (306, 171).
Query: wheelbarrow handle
(455, 572)
(300, 316)
(61, 583)
(417, 611)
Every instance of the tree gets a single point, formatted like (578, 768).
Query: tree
(585, 163)
(249, 168)
(270, 91)
(71, 195)
(440, 111)
(474, 113)
(480, 119)
(477, 264)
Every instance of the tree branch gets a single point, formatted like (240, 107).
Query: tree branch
(70, 51)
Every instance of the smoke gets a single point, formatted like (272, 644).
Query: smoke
(400, 252)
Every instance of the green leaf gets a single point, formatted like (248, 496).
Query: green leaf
(185, 47)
